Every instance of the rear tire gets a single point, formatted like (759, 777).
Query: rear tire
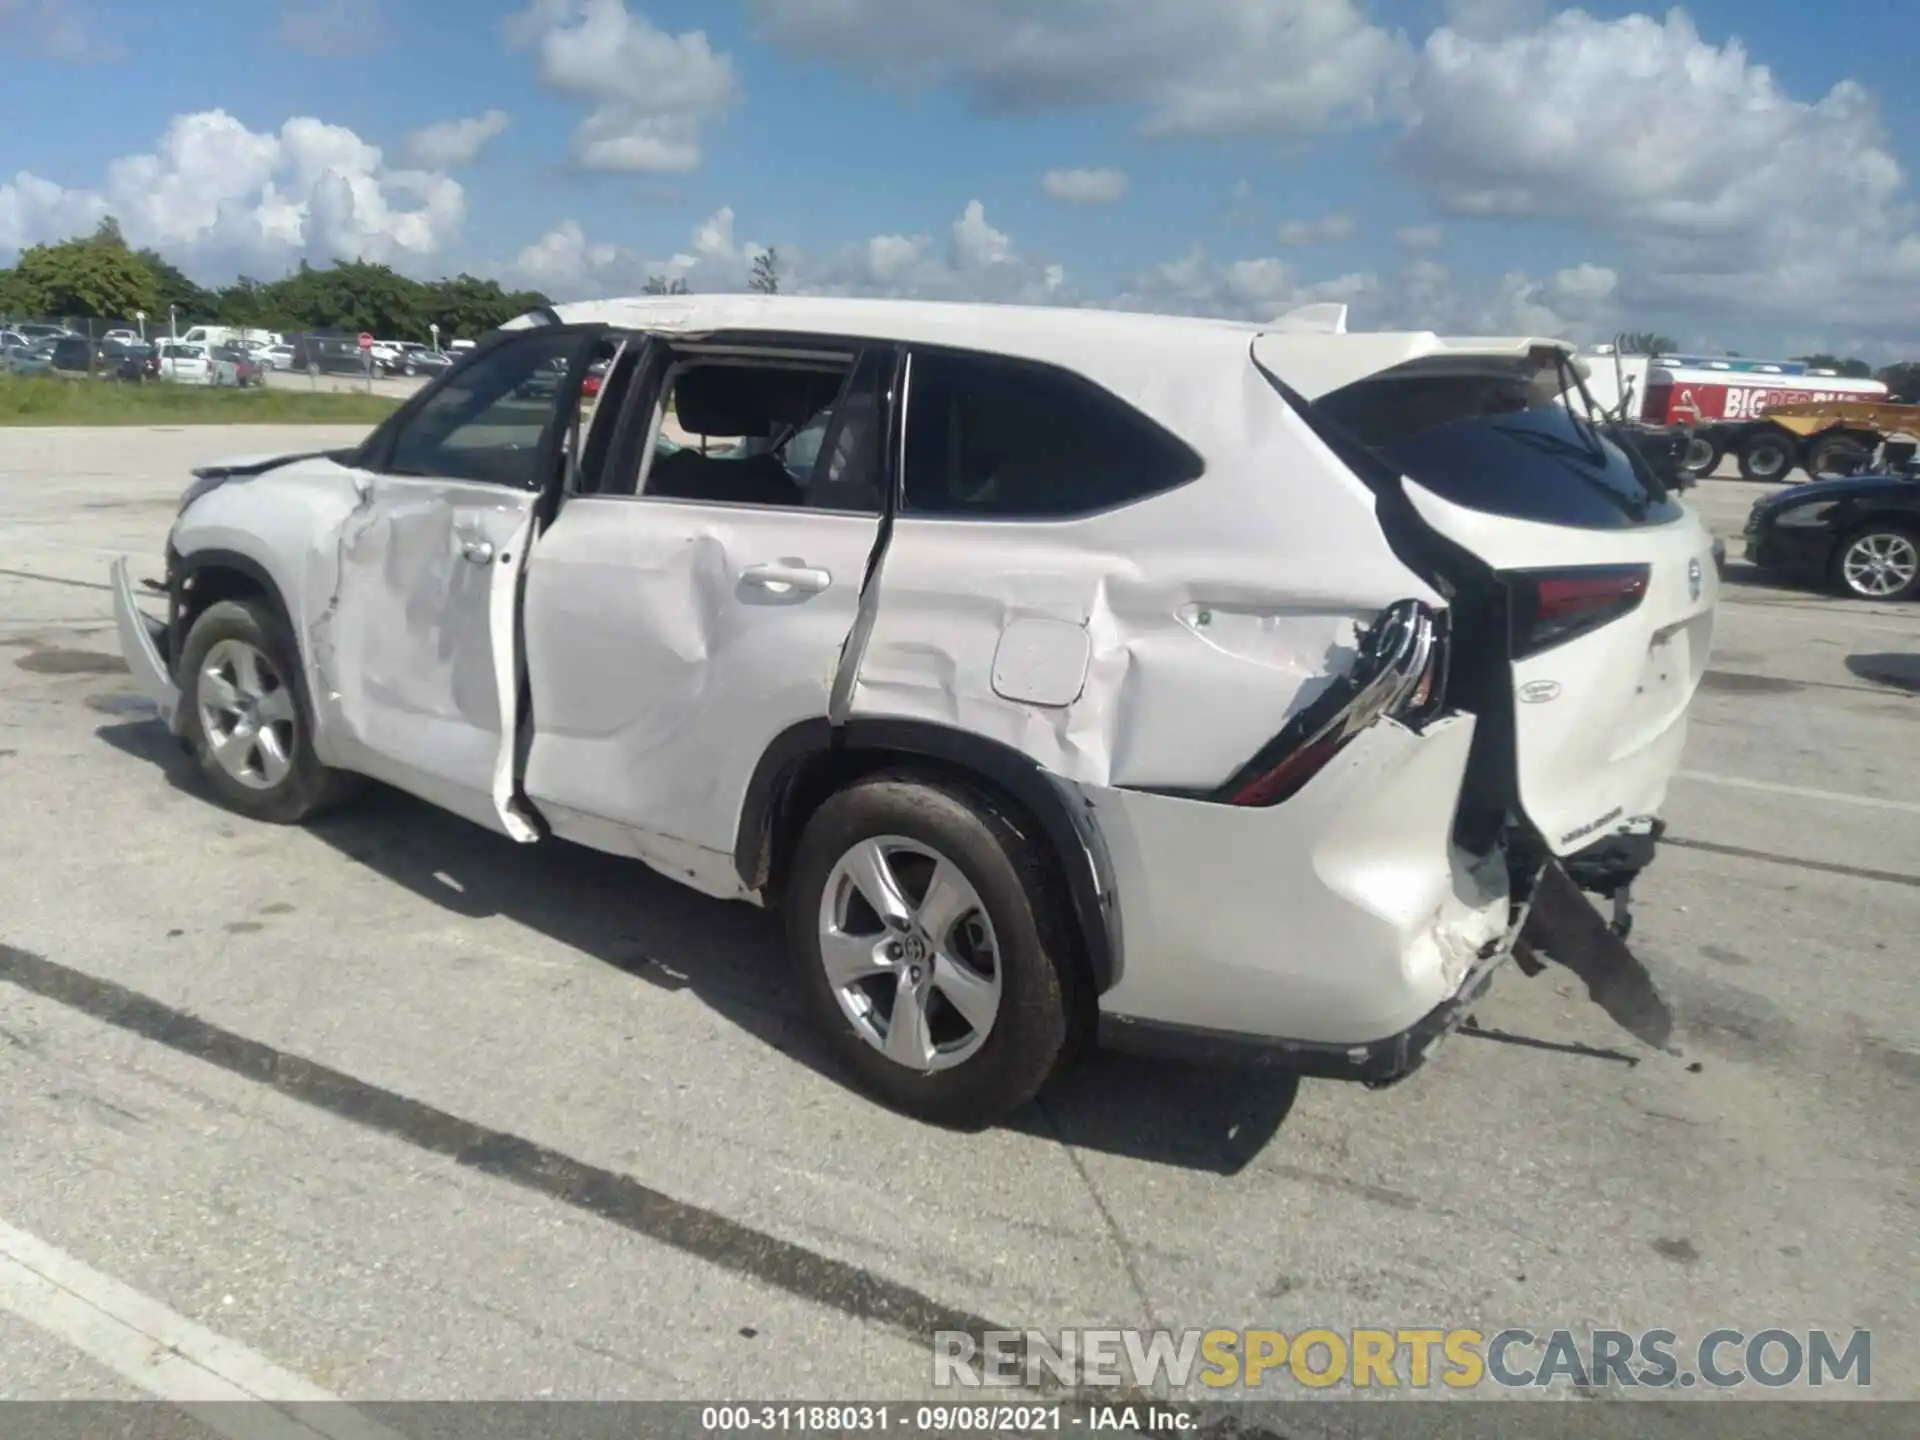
(1703, 456)
(968, 909)
(1879, 561)
(1768, 456)
(247, 718)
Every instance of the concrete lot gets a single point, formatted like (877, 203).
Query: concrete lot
(774, 1233)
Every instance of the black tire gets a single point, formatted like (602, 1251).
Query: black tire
(1905, 540)
(1702, 456)
(1042, 999)
(1837, 455)
(1768, 456)
(308, 787)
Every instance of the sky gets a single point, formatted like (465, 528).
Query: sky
(1737, 174)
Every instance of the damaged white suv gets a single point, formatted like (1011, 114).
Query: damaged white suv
(1209, 689)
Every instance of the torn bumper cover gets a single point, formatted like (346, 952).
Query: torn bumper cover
(143, 642)
(1557, 923)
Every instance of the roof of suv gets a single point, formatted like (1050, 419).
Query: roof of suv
(1097, 342)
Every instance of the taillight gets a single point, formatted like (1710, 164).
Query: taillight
(1401, 675)
(1551, 607)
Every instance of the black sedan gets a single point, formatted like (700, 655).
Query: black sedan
(1858, 533)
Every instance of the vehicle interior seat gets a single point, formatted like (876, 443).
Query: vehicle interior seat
(724, 400)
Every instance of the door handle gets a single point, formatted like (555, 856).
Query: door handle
(801, 578)
(478, 551)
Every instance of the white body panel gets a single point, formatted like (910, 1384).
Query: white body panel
(1176, 615)
(1596, 751)
(665, 652)
(416, 649)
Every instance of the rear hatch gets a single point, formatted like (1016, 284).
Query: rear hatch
(1583, 591)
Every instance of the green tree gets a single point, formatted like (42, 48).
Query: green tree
(1645, 342)
(660, 285)
(92, 278)
(1902, 381)
(766, 273)
(190, 301)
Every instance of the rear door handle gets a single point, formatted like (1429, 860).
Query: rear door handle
(478, 551)
(784, 579)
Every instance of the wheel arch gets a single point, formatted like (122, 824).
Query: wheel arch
(206, 577)
(808, 762)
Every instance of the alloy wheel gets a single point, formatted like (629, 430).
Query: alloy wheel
(910, 953)
(1880, 564)
(246, 714)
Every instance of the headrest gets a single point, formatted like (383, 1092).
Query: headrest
(739, 400)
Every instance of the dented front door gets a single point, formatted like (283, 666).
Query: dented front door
(418, 652)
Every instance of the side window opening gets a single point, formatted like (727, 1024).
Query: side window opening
(486, 422)
(1008, 439)
(796, 433)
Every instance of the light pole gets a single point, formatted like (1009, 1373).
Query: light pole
(141, 316)
(436, 337)
(173, 322)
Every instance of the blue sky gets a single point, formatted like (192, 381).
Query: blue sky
(1737, 174)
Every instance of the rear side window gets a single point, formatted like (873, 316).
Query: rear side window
(1005, 439)
(1499, 444)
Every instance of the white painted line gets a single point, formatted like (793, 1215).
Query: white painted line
(1772, 787)
(166, 1354)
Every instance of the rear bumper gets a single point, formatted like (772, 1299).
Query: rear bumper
(1329, 934)
(143, 641)
(1376, 1062)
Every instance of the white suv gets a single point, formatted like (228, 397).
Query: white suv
(1215, 689)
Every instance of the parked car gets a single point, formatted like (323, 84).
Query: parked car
(325, 354)
(247, 371)
(1200, 688)
(121, 337)
(75, 355)
(39, 330)
(276, 357)
(1859, 534)
(131, 363)
(195, 364)
(33, 358)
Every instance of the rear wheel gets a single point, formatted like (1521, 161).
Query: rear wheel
(931, 948)
(1703, 456)
(248, 722)
(1878, 562)
(1768, 456)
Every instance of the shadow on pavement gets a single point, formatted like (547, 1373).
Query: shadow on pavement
(1900, 672)
(730, 955)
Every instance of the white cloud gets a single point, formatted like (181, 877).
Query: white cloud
(66, 30)
(1085, 187)
(1324, 230)
(1488, 19)
(453, 142)
(332, 28)
(977, 262)
(1420, 237)
(1198, 68)
(650, 92)
(1728, 196)
(218, 197)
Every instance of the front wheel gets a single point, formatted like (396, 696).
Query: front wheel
(1879, 562)
(248, 722)
(931, 948)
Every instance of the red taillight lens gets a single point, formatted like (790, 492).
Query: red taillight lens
(1551, 607)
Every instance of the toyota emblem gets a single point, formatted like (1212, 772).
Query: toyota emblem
(1693, 578)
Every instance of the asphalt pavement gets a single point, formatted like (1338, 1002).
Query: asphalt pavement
(402, 1110)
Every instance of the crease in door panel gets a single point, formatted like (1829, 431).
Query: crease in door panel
(320, 633)
(847, 674)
